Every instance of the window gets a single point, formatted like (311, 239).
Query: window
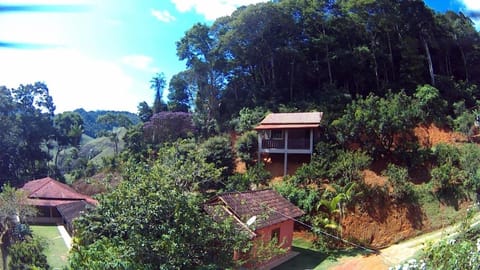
(274, 134)
(276, 235)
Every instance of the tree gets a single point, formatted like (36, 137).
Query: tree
(69, 129)
(144, 111)
(157, 84)
(152, 221)
(218, 151)
(26, 117)
(180, 92)
(168, 126)
(13, 211)
(117, 119)
(375, 123)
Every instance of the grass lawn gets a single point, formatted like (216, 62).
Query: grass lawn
(311, 258)
(56, 250)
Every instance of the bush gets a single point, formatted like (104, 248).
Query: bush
(398, 178)
(248, 118)
(255, 175)
(247, 147)
(348, 165)
(28, 254)
(218, 151)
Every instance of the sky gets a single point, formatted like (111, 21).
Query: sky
(103, 56)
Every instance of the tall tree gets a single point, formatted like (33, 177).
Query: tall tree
(69, 129)
(180, 92)
(26, 113)
(157, 84)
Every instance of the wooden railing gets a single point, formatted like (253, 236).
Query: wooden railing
(280, 144)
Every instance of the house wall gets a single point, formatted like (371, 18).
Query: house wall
(265, 235)
(286, 233)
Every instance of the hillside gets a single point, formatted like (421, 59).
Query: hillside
(381, 222)
(92, 128)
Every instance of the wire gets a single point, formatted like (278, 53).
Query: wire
(317, 230)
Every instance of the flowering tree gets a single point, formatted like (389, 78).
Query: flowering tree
(168, 126)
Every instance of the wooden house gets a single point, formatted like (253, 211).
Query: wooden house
(262, 215)
(288, 134)
(56, 202)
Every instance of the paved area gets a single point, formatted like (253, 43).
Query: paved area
(66, 237)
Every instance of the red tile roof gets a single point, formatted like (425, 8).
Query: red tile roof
(267, 206)
(47, 188)
(291, 120)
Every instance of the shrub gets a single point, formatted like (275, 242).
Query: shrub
(348, 165)
(247, 147)
(248, 118)
(28, 254)
(218, 151)
(398, 178)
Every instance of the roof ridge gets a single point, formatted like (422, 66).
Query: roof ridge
(49, 179)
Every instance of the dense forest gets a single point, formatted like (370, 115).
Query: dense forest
(376, 69)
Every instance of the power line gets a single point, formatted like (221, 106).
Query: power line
(317, 230)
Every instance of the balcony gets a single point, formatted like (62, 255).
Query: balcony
(280, 144)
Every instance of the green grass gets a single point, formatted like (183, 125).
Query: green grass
(56, 250)
(311, 258)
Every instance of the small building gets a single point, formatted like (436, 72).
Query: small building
(287, 134)
(56, 202)
(263, 215)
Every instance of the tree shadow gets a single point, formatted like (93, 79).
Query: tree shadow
(309, 259)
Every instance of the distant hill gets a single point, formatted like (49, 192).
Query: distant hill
(92, 128)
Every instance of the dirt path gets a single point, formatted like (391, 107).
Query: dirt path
(398, 253)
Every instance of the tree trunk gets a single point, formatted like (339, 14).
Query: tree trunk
(464, 59)
(429, 59)
(327, 57)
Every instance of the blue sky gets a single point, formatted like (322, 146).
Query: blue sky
(105, 56)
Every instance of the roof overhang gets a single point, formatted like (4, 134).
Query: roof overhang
(285, 126)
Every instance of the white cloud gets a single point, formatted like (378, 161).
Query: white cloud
(140, 62)
(214, 8)
(471, 5)
(75, 80)
(163, 15)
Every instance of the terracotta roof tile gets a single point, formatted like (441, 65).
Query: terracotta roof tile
(48, 188)
(70, 211)
(267, 206)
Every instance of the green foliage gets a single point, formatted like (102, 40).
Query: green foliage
(248, 119)
(431, 104)
(157, 84)
(180, 92)
(461, 252)
(246, 147)
(378, 124)
(26, 124)
(218, 151)
(155, 222)
(27, 254)
(93, 128)
(348, 165)
(470, 164)
(304, 197)
(400, 182)
(255, 176)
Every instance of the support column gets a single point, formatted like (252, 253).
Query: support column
(285, 158)
(311, 143)
(259, 146)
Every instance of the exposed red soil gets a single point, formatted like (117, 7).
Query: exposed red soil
(432, 135)
(380, 222)
(99, 183)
